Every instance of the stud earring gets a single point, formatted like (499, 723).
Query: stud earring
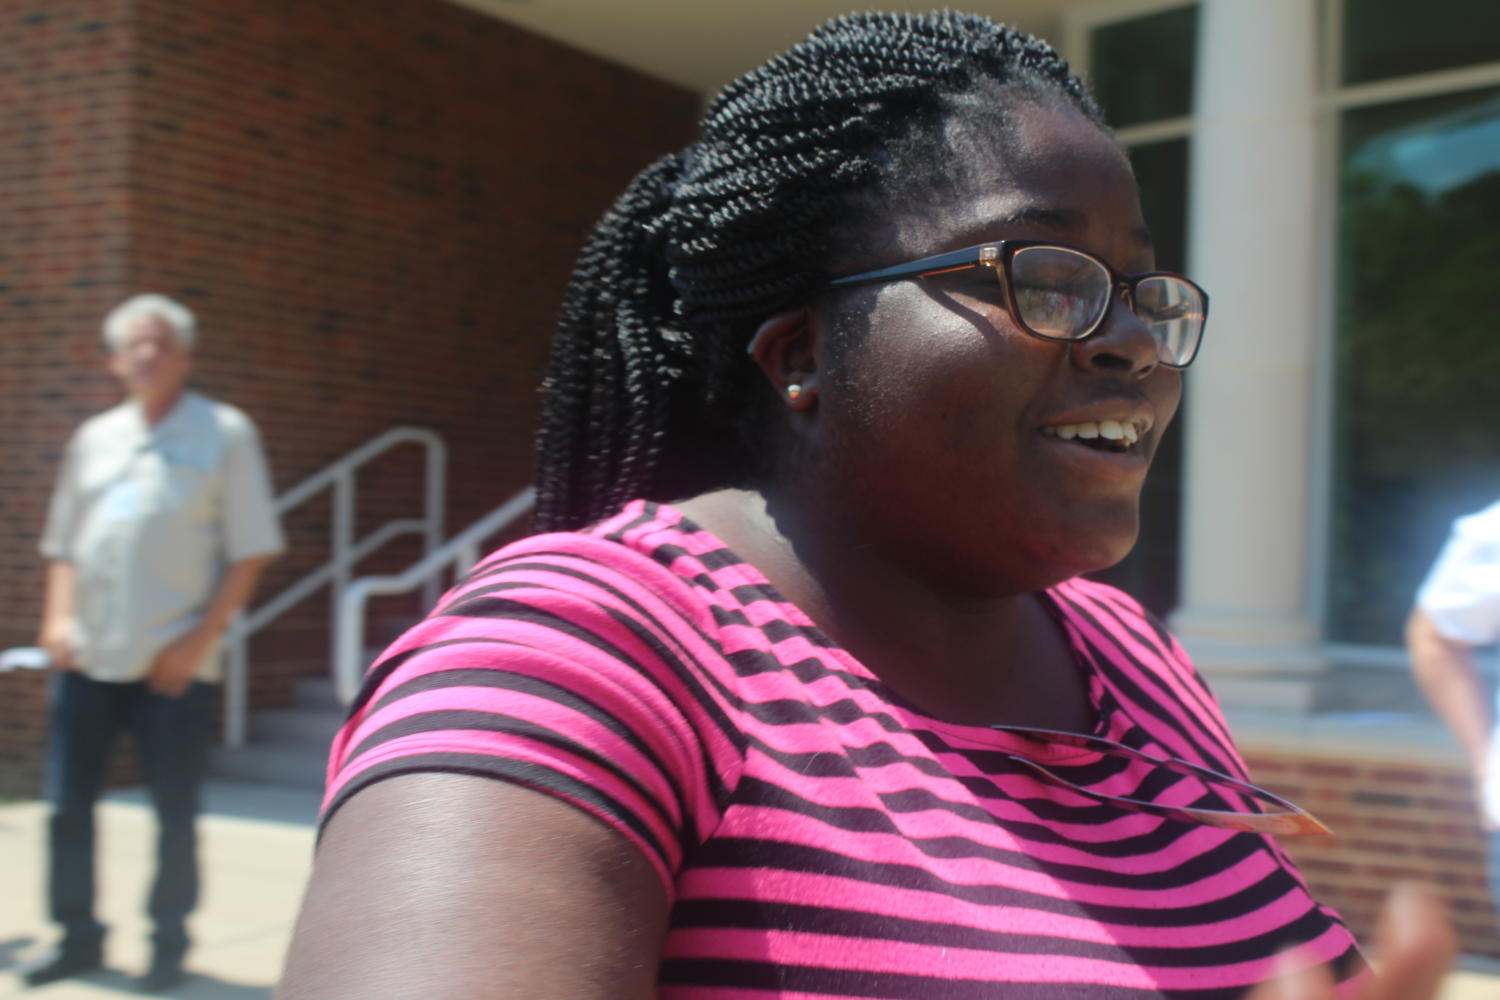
(794, 390)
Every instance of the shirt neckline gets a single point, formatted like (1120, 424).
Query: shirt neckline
(1106, 710)
(169, 421)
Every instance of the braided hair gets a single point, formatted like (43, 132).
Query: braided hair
(649, 386)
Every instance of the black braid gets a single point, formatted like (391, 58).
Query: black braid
(649, 384)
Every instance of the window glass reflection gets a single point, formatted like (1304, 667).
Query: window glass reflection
(1418, 349)
(1142, 69)
(1388, 38)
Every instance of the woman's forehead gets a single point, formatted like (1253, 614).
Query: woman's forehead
(1044, 150)
(1045, 173)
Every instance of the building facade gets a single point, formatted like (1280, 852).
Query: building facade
(374, 205)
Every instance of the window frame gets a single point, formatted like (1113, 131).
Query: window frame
(1078, 26)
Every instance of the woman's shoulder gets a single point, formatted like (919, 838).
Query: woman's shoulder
(642, 560)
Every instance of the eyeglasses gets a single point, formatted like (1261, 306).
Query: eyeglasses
(1061, 293)
(1284, 818)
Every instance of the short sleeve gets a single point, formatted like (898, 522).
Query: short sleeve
(1461, 594)
(567, 672)
(64, 508)
(251, 527)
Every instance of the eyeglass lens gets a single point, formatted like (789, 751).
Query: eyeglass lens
(1063, 294)
(1173, 310)
(1059, 293)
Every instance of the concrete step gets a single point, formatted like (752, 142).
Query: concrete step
(288, 746)
(300, 728)
(317, 694)
(294, 767)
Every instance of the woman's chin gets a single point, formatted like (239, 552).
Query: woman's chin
(1094, 551)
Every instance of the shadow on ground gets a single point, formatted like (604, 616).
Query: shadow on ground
(297, 807)
(114, 982)
(11, 949)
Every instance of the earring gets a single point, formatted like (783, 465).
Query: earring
(794, 390)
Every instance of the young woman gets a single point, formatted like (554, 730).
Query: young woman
(801, 695)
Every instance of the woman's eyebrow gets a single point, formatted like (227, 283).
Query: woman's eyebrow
(1066, 220)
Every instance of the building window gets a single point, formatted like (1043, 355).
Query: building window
(1417, 425)
(1384, 39)
(1140, 68)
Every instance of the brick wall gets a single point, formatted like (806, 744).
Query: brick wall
(372, 205)
(65, 122)
(1393, 819)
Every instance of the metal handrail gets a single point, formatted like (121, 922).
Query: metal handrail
(460, 552)
(347, 552)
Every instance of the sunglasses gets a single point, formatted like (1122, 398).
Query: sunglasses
(1062, 293)
(1282, 817)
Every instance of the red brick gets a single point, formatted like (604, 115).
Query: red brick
(372, 232)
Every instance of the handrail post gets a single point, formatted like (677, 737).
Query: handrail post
(236, 686)
(465, 558)
(459, 553)
(338, 570)
(435, 500)
(343, 542)
(348, 642)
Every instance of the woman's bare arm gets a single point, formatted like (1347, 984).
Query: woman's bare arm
(432, 885)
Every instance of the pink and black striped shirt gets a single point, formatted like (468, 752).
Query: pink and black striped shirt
(817, 835)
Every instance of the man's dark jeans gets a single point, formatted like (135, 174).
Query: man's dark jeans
(87, 717)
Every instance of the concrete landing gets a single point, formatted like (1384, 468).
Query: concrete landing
(256, 843)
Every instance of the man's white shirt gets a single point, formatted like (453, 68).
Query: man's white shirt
(149, 516)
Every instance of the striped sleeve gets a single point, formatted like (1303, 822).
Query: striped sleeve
(571, 666)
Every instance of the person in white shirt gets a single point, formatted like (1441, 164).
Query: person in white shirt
(160, 524)
(1458, 609)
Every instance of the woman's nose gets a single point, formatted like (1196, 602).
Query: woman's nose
(1122, 345)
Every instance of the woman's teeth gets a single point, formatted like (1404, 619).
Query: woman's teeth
(1109, 430)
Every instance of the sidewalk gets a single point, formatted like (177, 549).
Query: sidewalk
(256, 847)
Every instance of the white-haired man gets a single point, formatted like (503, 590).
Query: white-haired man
(160, 524)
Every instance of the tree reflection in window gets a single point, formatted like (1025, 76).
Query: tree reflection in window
(1418, 355)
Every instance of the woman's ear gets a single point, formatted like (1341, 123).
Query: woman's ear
(783, 349)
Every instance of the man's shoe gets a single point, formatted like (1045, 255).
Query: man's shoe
(164, 974)
(60, 963)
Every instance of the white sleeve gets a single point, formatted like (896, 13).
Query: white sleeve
(1461, 594)
(63, 510)
(251, 527)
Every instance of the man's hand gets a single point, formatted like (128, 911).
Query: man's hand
(57, 639)
(177, 665)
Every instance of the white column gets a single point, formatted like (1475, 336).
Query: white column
(1246, 614)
